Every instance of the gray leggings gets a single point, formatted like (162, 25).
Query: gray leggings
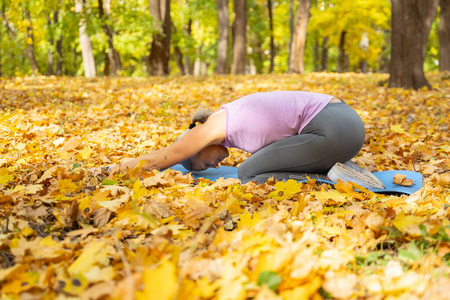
(335, 134)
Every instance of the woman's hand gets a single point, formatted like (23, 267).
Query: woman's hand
(109, 169)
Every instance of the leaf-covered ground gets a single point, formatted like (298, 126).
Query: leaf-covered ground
(65, 233)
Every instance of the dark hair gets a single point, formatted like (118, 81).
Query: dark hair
(187, 164)
(200, 116)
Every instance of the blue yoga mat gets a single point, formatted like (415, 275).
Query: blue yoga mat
(385, 176)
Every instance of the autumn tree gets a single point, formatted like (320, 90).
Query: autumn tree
(272, 39)
(54, 53)
(115, 63)
(411, 23)
(344, 24)
(158, 61)
(222, 43)
(444, 35)
(239, 37)
(324, 55)
(343, 63)
(258, 36)
(85, 42)
(30, 41)
(26, 24)
(177, 50)
(296, 63)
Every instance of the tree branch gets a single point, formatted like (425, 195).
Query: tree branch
(6, 23)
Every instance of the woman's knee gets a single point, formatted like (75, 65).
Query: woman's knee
(244, 172)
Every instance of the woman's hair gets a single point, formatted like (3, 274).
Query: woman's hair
(200, 116)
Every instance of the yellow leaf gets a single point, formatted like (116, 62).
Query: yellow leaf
(88, 258)
(67, 186)
(17, 286)
(445, 148)
(59, 141)
(434, 51)
(18, 189)
(232, 290)
(21, 146)
(114, 205)
(4, 176)
(397, 128)
(48, 248)
(49, 242)
(6, 273)
(139, 191)
(330, 197)
(100, 195)
(160, 283)
(76, 285)
(285, 190)
(33, 189)
(47, 174)
(27, 231)
(71, 144)
(97, 274)
(248, 221)
(304, 291)
(86, 153)
(408, 223)
(85, 203)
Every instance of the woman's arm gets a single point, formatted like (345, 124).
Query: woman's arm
(210, 133)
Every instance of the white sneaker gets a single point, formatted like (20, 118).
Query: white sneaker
(350, 171)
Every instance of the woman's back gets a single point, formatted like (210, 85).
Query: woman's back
(260, 119)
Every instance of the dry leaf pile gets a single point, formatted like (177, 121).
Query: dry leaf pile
(65, 233)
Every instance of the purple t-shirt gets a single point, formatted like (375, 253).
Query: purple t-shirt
(257, 120)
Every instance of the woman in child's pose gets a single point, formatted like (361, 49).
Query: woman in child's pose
(288, 132)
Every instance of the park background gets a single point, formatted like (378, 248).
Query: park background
(88, 83)
(205, 37)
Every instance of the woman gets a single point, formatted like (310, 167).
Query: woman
(288, 132)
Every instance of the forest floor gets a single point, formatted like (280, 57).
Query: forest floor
(66, 233)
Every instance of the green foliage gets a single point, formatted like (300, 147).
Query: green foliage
(107, 181)
(270, 278)
(413, 253)
(432, 58)
(195, 33)
(357, 18)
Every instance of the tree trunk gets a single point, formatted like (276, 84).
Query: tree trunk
(272, 39)
(342, 59)
(291, 27)
(239, 37)
(364, 46)
(187, 60)
(115, 65)
(411, 23)
(59, 61)
(444, 36)
(86, 45)
(179, 59)
(325, 54)
(296, 64)
(8, 28)
(59, 48)
(316, 53)
(50, 53)
(158, 60)
(222, 45)
(30, 44)
(178, 53)
(29, 51)
(383, 58)
(107, 69)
